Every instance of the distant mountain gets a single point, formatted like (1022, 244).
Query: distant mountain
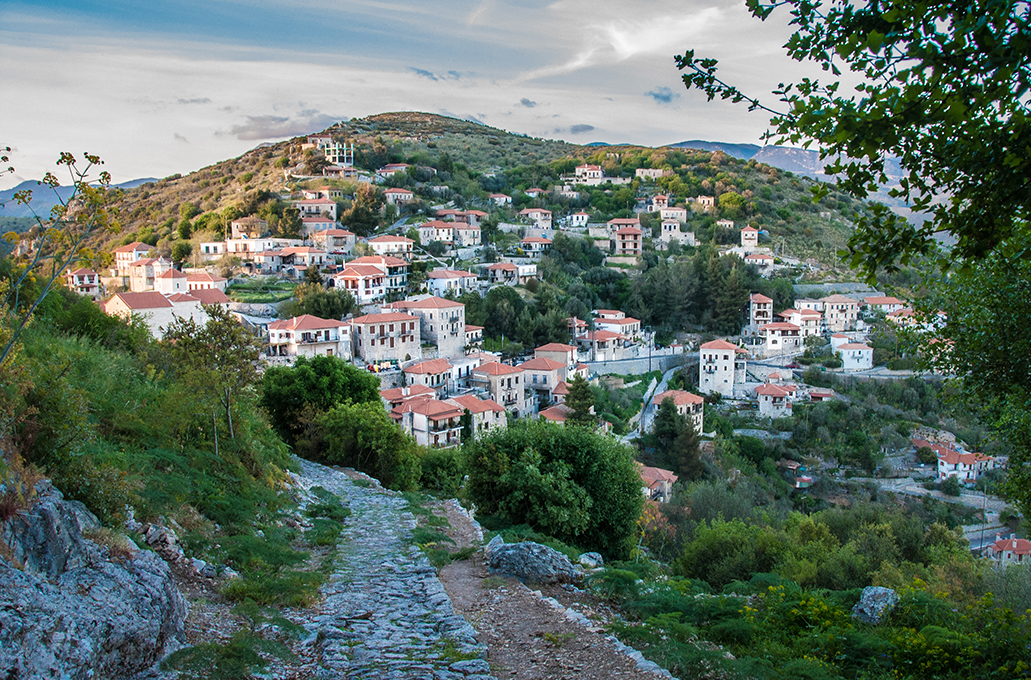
(45, 198)
(744, 151)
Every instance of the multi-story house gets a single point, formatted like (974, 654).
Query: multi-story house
(442, 322)
(781, 338)
(83, 281)
(760, 310)
(627, 242)
(855, 356)
(335, 241)
(395, 271)
(810, 321)
(509, 274)
(398, 196)
(506, 385)
(618, 322)
(436, 230)
(440, 282)
(205, 281)
(126, 255)
(840, 313)
(364, 282)
(398, 246)
(535, 246)
(540, 217)
(467, 235)
(749, 237)
(309, 336)
(437, 374)
(487, 414)
(391, 337)
(691, 406)
(249, 227)
(430, 422)
(774, 400)
(543, 376)
(144, 272)
(721, 365)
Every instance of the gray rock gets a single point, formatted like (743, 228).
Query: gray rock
(493, 544)
(874, 604)
(70, 612)
(591, 560)
(530, 561)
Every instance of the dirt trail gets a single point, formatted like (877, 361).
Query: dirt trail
(529, 633)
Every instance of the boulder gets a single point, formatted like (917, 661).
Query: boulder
(874, 604)
(69, 609)
(529, 561)
(592, 560)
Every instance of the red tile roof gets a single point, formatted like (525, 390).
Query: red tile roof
(496, 368)
(430, 367)
(388, 317)
(305, 322)
(679, 397)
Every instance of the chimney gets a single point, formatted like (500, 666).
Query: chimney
(1013, 537)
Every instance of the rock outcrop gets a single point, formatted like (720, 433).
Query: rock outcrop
(874, 604)
(71, 608)
(529, 561)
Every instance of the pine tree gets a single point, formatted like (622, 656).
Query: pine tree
(581, 401)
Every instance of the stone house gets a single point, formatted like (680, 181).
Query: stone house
(392, 337)
(309, 336)
(721, 365)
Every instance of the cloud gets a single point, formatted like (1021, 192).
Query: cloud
(423, 73)
(197, 100)
(662, 95)
(279, 127)
(179, 138)
(580, 129)
(527, 103)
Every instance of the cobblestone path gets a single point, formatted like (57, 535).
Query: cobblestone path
(385, 613)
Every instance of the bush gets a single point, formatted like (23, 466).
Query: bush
(442, 472)
(950, 486)
(364, 437)
(926, 455)
(570, 482)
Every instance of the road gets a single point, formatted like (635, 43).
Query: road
(647, 414)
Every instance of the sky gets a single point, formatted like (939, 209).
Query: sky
(157, 88)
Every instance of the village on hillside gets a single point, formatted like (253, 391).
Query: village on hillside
(408, 327)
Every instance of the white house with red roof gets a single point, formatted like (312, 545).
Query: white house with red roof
(953, 462)
(657, 483)
(126, 255)
(436, 230)
(774, 400)
(534, 192)
(200, 280)
(811, 322)
(763, 262)
(588, 173)
(659, 201)
(617, 322)
(83, 281)
(501, 199)
(391, 169)
(398, 246)
(840, 313)
(564, 354)
(440, 282)
(364, 282)
(143, 273)
(157, 310)
(309, 336)
(467, 235)
(535, 246)
(437, 374)
(691, 406)
(579, 219)
(749, 237)
(855, 356)
(760, 310)
(395, 270)
(487, 414)
(781, 338)
(1012, 550)
(430, 422)
(442, 322)
(627, 242)
(721, 365)
(510, 274)
(506, 385)
(543, 375)
(540, 217)
(395, 196)
(335, 241)
(399, 395)
(883, 303)
(674, 213)
(317, 207)
(603, 345)
(390, 337)
(171, 282)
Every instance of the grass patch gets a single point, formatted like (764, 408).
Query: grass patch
(363, 483)
(324, 532)
(492, 582)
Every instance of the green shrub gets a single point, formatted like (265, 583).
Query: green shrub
(950, 486)
(442, 472)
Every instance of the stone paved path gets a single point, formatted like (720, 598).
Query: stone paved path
(385, 613)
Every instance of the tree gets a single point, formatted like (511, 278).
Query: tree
(569, 482)
(181, 251)
(325, 303)
(364, 437)
(943, 93)
(62, 236)
(581, 401)
(219, 357)
(289, 394)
